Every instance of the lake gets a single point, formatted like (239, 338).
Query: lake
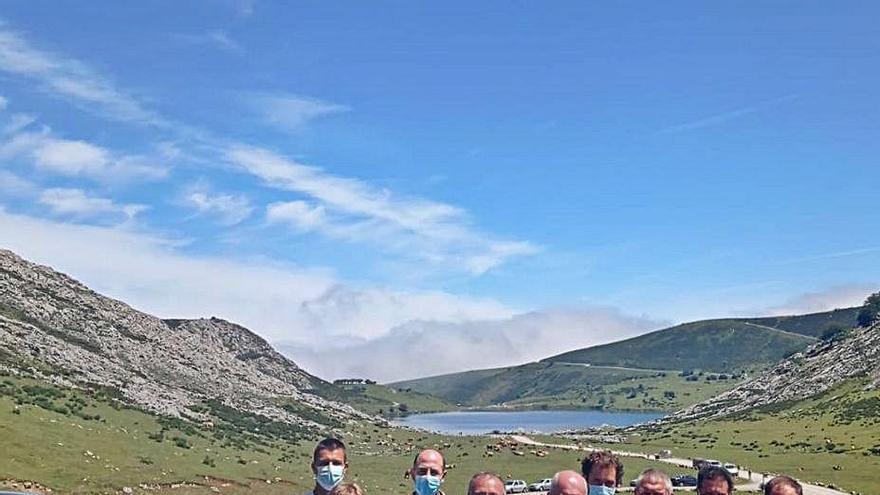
(478, 422)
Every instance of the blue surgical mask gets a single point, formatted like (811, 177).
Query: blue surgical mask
(329, 476)
(601, 490)
(427, 484)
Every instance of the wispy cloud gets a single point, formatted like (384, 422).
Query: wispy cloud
(290, 112)
(69, 79)
(229, 209)
(15, 186)
(217, 38)
(831, 256)
(458, 346)
(76, 158)
(79, 204)
(841, 296)
(351, 209)
(723, 117)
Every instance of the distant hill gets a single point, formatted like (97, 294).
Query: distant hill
(719, 347)
(713, 345)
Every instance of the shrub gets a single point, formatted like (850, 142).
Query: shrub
(868, 314)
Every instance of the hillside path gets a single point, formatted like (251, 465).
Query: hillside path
(624, 368)
(752, 483)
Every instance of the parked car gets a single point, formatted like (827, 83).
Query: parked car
(515, 486)
(731, 468)
(540, 485)
(684, 480)
(711, 463)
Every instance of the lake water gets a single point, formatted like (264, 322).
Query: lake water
(477, 422)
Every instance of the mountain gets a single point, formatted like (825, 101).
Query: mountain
(722, 348)
(58, 330)
(821, 367)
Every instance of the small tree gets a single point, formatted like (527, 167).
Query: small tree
(868, 314)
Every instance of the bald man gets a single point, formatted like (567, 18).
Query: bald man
(568, 483)
(653, 481)
(486, 484)
(427, 472)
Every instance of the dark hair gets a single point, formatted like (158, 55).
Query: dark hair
(783, 481)
(329, 443)
(480, 475)
(713, 473)
(602, 459)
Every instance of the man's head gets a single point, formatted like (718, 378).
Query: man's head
(653, 482)
(568, 483)
(428, 470)
(347, 489)
(783, 485)
(602, 469)
(714, 481)
(486, 484)
(329, 463)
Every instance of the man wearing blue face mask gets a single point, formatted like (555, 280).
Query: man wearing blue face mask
(328, 465)
(603, 472)
(428, 470)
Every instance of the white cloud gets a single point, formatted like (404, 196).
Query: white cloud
(423, 348)
(280, 302)
(300, 214)
(425, 230)
(230, 209)
(77, 158)
(291, 112)
(3, 102)
(77, 203)
(71, 157)
(841, 296)
(70, 79)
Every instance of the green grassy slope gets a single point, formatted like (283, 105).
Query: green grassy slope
(565, 386)
(85, 443)
(833, 438)
(714, 345)
(812, 324)
(390, 402)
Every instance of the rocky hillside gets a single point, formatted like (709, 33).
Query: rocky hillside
(58, 329)
(817, 369)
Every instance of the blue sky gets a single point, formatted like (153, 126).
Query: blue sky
(612, 167)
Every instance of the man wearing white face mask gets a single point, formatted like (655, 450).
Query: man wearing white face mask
(603, 472)
(428, 470)
(328, 465)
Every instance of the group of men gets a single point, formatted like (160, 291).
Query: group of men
(601, 474)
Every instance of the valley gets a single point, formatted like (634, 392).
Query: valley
(96, 397)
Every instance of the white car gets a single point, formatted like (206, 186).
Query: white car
(731, 468)
(711, 463)
(540, 485)
(515, 486)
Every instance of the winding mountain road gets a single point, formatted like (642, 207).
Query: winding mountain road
(752, 479)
